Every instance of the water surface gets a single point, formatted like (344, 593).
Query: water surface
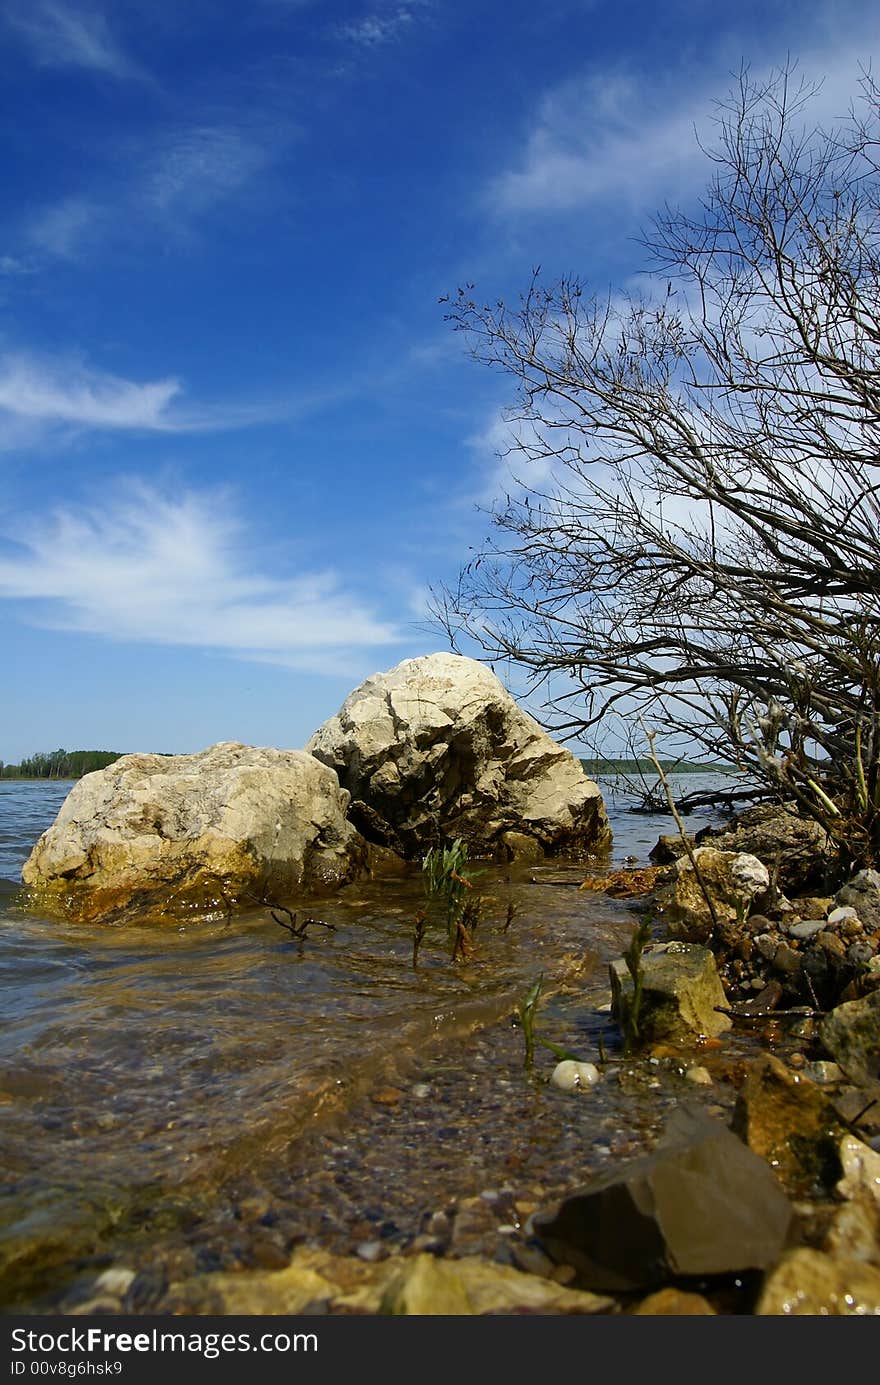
(155, 1079)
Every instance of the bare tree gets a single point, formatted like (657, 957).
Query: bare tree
(694, 539)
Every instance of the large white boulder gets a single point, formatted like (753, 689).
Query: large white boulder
(164, 835)
(437, 748)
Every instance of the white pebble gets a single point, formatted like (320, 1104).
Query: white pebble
(570, 1076)
(701, 1076)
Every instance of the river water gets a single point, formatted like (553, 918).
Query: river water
(188, 1098)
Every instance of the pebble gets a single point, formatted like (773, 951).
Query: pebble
(701, 1076)
(571, 1076)
(370, 1251)
(421, 1091)
(117, 1280)
(808, 928)
(843, 913)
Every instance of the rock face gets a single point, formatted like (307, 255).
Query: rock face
(701, 1203)
(436, 748)
(161, 834)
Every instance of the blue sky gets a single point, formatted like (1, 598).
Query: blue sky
(238, 443)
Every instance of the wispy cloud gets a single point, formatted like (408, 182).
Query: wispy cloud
(632, 137)
(178, 570)
(383, 24)
(194, 169)
(186, 174)
(41, 395)
(65, 35)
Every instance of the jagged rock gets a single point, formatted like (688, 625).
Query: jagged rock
(796, 849)
(701, 1203)
(809, 1282)
(167, 835)
(732, 881)
(427, 1285)
(862, 893)
(785, 1118)
(851, 1034)
(436, 748)
(681, 991)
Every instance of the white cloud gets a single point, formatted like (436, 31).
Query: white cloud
(70, 393)
(64, 35)
(178, 570)
(631, 138)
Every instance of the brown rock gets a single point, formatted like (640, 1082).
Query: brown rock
(681, 993)
(674, 1301)
(787, 1120)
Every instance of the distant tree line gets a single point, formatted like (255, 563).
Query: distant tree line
(59, 764)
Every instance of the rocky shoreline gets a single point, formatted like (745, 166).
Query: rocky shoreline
(741, 1024)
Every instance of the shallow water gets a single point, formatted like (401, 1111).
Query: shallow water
(156, 1081)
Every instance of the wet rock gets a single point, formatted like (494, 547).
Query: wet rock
(787, 1120)
(680, 992)
(168, 835)
(808, 1281)
(519, 846)
(437, 748)
(796, 849)
(731, 880)
(474, 1287)
(676, 1302)
(701, 1203)
(851, 1034)
(854, 1231)
(860, 1165)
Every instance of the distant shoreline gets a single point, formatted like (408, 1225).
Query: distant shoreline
(648, 767)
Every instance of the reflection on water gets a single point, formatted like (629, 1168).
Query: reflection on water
(140, 1066)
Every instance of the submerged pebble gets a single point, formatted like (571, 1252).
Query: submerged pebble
(571, 1076)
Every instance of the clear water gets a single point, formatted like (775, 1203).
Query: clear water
(147, 1073)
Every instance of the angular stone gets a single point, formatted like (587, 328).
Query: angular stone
(169, 835)
(732, 881)
(809, 1282)
(851, 1034)
(787, 1120)
(681, 991)
(437, 748)
(701, 1203)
